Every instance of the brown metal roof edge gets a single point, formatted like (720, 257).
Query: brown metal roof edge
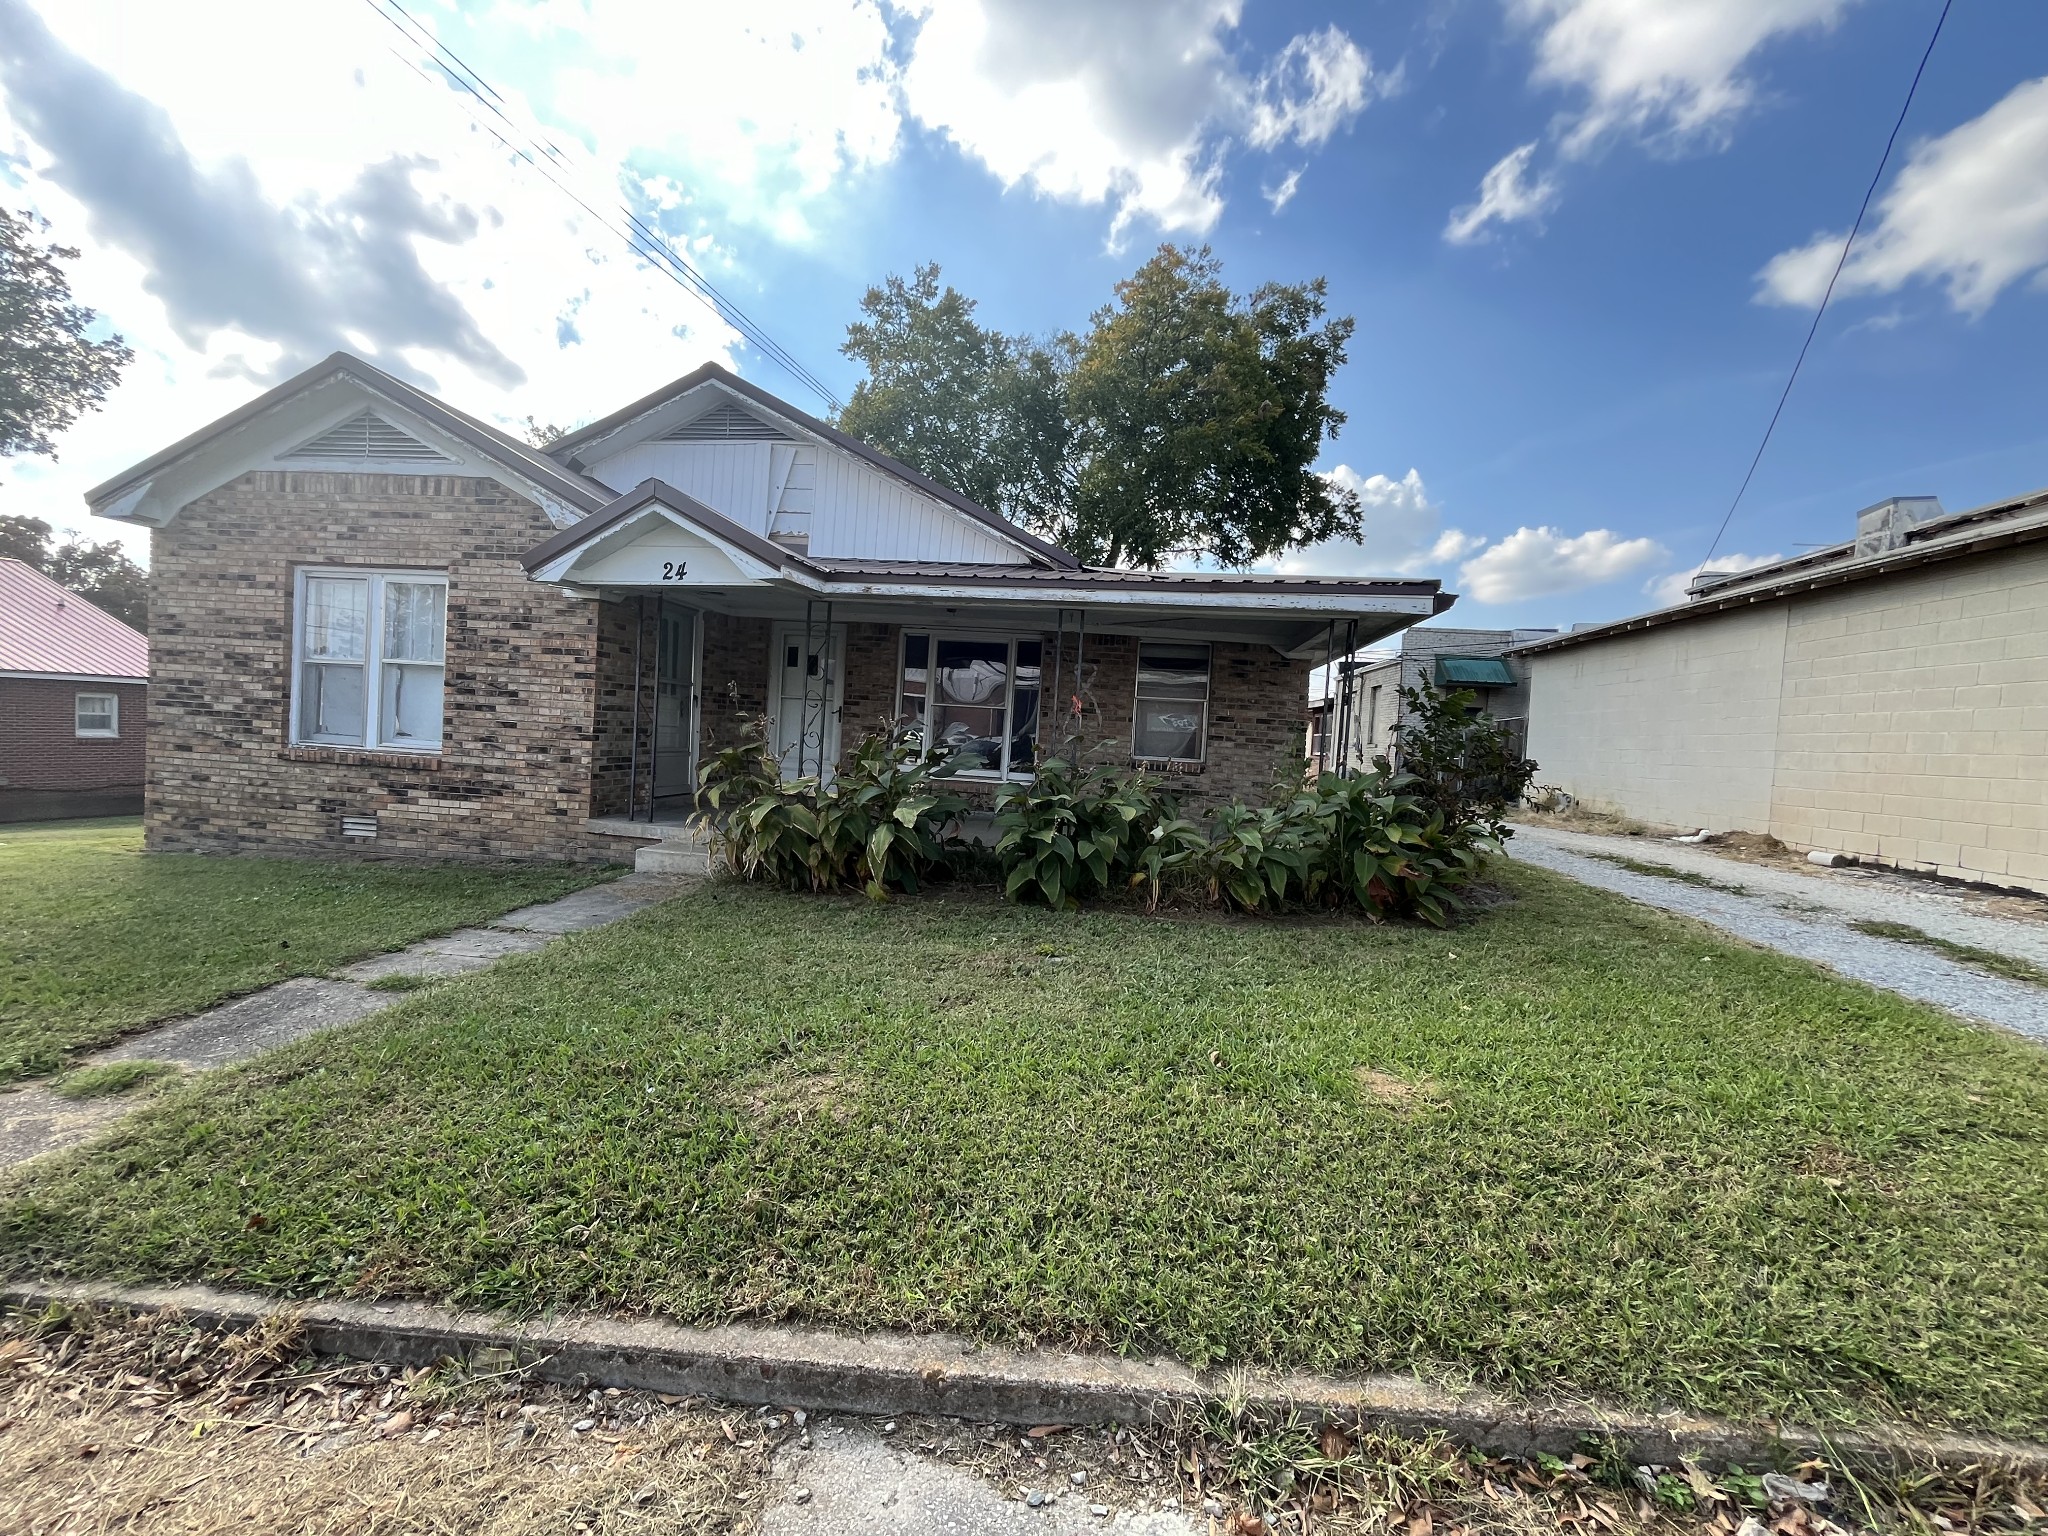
(651, 490)
(488, 440)
(713, 373)
(1838, 575)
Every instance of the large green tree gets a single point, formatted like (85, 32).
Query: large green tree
(99, 573)
(51, 371)
(1186, 422)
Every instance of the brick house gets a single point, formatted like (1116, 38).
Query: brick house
(382, 627)
(73, 686)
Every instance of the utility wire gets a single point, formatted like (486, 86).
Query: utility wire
(642, 238)
(1840, 262)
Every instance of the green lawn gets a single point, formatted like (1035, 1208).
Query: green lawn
(1578, 1145)
(97, 938)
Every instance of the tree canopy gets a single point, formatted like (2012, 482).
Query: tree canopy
(99, 573)
(51, 372)
(1186, 422)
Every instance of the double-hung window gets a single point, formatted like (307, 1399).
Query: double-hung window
(973, 696)
(1170, 721)
(97, 715)
(368, 653)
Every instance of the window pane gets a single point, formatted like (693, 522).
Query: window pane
(331, 703)
(95, 712)
(337, 613)
(970, 684)
(1167, 730)
(1024, 707)
(410, 713)
(1173, 671)
(916, 662)
(413, 613)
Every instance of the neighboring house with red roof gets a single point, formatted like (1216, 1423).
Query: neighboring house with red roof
(74, 685)
(382, 627)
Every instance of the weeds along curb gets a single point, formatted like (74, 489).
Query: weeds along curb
(938, 1374)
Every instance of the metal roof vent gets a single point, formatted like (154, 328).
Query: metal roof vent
(359, 826)
(367, 439)
(726, 424)
(1884, 527)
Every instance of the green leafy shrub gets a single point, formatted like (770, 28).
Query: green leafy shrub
(879, 825)
(1466, 764)
(1063, 836)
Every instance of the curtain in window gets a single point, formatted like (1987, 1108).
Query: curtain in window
(333, 648)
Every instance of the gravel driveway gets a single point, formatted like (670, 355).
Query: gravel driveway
(1810, 917)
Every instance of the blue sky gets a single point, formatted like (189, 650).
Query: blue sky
(1581, 238)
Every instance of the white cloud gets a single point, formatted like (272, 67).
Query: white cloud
(1545, 562)
(1673, 74)
(1670, 71)
(1969, 210)
(1507, 195)
(1403, 533)
(1281, 193)
(1129, 105)
(1670, 589)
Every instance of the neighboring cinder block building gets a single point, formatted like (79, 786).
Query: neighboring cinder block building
(1359, 714)
(1886, 697)
(386, 628)
(73, 686)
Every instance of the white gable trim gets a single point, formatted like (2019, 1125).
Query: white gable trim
(657, 546)
(266, 442)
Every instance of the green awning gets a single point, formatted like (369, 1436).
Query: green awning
(1473, 672)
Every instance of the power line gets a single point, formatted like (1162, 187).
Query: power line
(1840, 262)
(640, 237)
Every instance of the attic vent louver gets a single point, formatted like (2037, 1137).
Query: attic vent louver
(368, 438)
(726, 424)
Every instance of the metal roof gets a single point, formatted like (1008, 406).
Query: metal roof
(1981, 530)
(47, 630)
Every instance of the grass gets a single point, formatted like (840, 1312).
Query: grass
(1635, 1160)
(1669, 872)
(110, 1078)
(2009, 966)
(98, 939)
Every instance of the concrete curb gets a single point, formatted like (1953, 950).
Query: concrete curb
(940, 1374)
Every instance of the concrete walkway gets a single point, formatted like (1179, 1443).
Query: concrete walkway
(1810, 917)
(35, 1120)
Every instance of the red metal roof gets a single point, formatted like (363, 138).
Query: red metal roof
(44, 628)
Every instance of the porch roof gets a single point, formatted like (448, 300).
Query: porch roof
(656, 538)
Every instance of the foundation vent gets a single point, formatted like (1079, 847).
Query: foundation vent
(359, 826)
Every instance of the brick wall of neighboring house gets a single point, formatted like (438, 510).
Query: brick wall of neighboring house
(513, 778)
(47, 770)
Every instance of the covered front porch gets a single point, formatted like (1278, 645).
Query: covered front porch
(706, 627)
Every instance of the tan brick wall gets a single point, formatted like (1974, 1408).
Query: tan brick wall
(514, 775)
(1914, 724)
(1903, 720)
(1677, 725)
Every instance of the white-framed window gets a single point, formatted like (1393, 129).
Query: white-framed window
(973, 694)
(1170, 719)
(97, 715)
(367, 653)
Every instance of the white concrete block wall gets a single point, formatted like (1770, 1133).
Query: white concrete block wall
(1677, 724)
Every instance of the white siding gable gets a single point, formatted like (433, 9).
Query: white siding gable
(847, 508)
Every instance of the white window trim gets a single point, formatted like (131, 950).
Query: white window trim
(1138, 696)
(112, 712)
(1005, 774)
(373, 656)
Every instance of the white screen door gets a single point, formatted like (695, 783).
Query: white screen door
(675, 703)
(806, 687)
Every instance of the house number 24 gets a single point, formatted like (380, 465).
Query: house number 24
(674, 570)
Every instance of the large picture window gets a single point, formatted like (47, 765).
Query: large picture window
(974, 695)
(1170, 721)
(368, 657)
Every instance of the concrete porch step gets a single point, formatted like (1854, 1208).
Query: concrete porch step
(662, 847)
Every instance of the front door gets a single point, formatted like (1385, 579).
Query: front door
(805, 698)
(675, 703)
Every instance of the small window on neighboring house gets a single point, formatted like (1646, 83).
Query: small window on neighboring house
(368, 659)
(98, 714)
(1171, 720)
